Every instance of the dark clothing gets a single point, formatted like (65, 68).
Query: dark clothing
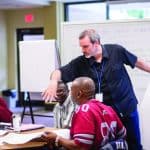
(133, 132)
(114, 82)
(119, 144)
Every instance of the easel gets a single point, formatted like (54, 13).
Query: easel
(28, 99)
(49, 54)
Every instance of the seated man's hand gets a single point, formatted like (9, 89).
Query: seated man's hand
(49, 138)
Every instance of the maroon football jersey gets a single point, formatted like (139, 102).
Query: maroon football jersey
(95, 124)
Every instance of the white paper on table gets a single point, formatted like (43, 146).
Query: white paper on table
(19, 138)
(3, 132)
(65, 133)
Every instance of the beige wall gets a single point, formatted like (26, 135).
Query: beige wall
(3, 52)
(43, 17)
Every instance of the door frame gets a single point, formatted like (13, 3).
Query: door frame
(20, 32)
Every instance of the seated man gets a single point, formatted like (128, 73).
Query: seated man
(65, 107)
(95, 126)
(5, 113)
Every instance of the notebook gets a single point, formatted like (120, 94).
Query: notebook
(27, 127)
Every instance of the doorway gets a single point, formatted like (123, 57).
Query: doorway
(24, 34)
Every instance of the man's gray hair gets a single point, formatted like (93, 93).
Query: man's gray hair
(92, 34)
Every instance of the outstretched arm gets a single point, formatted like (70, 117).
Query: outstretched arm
(50, 92)
(143, 65)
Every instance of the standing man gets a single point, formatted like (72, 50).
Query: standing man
(105, 65)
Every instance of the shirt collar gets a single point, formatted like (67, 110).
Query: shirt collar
(104, 52)
(68, 99)
(104, 55)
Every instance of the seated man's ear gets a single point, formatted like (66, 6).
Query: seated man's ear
(79, 95)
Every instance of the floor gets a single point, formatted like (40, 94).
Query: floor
(46, 118)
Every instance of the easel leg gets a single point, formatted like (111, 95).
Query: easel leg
(23, 112)
(30, 107)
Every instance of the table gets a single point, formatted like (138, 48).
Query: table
(35, 144)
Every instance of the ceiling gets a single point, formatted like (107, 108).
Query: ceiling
(15, 4)
(20, 4)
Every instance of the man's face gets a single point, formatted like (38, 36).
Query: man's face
(61, 93)
(88, 49)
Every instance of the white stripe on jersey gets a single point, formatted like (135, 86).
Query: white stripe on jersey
(84, 141)
(122, 133)
(90, 136)
(84, 138)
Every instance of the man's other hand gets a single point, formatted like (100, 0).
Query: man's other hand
(49, 94)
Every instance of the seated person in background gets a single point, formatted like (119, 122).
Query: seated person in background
(94, 126)
(65, 107)
(5, 113)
